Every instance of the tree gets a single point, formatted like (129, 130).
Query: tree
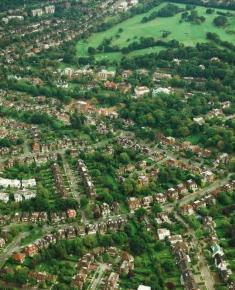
(220, 20)
(137, 245)
(91, 50)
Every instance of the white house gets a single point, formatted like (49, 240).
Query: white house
(142, 287)
(157, 91)
(18, 197)
(4, 197)
(163, 233)
(141, 91)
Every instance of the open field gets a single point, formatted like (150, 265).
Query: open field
(187, 33)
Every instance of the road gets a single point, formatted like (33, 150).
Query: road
(11, 248)
(204, 269)
(198, 194)
(97, 276)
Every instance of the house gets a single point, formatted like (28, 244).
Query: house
(71, 213)
(4, 197)
(31, 250)
(199, 120)
(126, 74)
(37, 12)
(216, 250)
(163, 233)
(181, 189)
(175, 239)
(105, 74)
(28, 194)
(50, 9)
(5, 183)
(163, 218)
(207, 176)
(191, 185)
(158, 91)
(141, 91)
(157, 76)
(18, 257)
(159, 197)
(34, 217)
(143, 180)
(110, 85)
(146, 201)
(122, 7)
(187, 209)
(199, 203)
(134, 203)
(172, 194)
(112, 282)
(142, 287)
(2, 243)
(18, 197)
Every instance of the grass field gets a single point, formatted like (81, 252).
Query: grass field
(187, 33)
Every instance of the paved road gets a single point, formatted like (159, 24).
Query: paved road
(12, 247)
(97, 277)
(206, 274)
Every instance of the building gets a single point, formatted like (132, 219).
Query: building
(105, 74)
(142, 287)
(141, 91)
(37, 12)
(50, 9)
(163, 233)
(4, 197)
(157, 91)
(31, 250)
(134, 203)
(18, 257)
(2, 243)
(71, 213)
(112, 282)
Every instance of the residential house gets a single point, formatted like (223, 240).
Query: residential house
(134, 204)
(163, 233)
(187, 209)
(141, 91)
(18, 257)
(112, 282)
(172, 194)
(31, 250)
(181, 189)
(191, 185)
(71, 213)
(2, 243)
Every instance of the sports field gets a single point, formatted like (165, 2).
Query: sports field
(187, 33)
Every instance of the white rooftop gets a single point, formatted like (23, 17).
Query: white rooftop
(142, 287)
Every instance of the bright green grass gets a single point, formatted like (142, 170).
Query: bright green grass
(186, 33)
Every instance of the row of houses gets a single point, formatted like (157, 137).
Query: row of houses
(41, 11)
(185, 146)
(128, 143)
(39, 217)
(171, 194)
(90, 188)
(85, 266)
(191, 208)
(68, 232)
(59, 181)
(19, 196)
(105, 210)
(218, 253)
(180, 250)
(16, 183)
(207, 176)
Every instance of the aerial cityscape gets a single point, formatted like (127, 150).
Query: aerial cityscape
(117, 144)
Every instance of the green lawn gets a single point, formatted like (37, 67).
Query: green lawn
(133, 29)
